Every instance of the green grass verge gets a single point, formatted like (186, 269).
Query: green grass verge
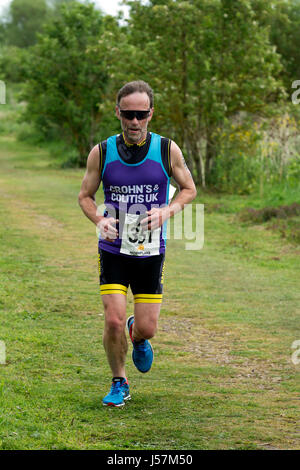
(222, 377)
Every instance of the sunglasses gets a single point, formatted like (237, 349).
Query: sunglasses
(130, 115)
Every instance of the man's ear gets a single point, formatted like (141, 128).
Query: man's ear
(151, 114)
(117, 109)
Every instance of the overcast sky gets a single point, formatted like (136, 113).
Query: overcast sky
(108, 6)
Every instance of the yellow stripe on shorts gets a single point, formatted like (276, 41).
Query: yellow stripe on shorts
(113, 289)
(147, 298)
(99, 264)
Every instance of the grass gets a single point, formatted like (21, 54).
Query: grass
(223, 376)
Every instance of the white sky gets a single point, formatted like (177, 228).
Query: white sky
(110, 7)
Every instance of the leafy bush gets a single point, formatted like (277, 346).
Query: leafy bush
(68, 86)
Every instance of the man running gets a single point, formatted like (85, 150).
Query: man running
(135, 168)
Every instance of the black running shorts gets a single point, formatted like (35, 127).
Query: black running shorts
(145, 276)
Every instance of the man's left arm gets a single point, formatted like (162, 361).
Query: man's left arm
(187, 191)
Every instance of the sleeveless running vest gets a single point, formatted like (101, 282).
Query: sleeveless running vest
(129, 191)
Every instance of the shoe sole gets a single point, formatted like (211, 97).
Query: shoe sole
(127, 323)
(120, 405)
(113, 404)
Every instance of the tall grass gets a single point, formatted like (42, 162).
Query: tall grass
(256, 155)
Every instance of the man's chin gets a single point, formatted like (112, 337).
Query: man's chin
(133, 137)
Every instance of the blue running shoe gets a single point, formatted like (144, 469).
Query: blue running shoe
(119, 392)
(142, 354)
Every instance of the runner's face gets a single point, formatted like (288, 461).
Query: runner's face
(134, 130)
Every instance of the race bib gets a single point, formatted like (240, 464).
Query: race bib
(138, 242)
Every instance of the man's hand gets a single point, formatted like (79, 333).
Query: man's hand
(107, 227)
(156, 217)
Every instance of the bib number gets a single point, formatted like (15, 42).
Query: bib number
(139, 242)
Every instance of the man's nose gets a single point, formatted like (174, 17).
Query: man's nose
(135, 120)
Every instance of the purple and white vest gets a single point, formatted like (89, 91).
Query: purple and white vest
(129, 191)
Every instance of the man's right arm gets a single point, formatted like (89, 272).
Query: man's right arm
(89, 187)
(86, 199)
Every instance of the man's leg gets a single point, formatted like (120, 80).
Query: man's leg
(145, 320)
(114, 338)
(115, 345)
(141, 327)
(113, 289)
(147, 288)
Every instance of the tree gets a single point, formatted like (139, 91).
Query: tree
(208, 60)
(244, 67)
(68, 87)
(26, 18)
(12, 60)
(284, 23)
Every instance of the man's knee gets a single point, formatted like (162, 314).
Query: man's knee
(114, 324)
(114, 321)
(146, 330)
(115, 313)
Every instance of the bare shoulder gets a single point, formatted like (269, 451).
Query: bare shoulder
(175, 148)
(92, 177)
(177, 158)
(93, 159)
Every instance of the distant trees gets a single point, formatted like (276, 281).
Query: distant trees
(208, 60)
(68, 75)
(26, 18)
(284, 24)
(216, 66)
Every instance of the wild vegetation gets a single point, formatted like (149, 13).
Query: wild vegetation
(223, 73)
(223, 375)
